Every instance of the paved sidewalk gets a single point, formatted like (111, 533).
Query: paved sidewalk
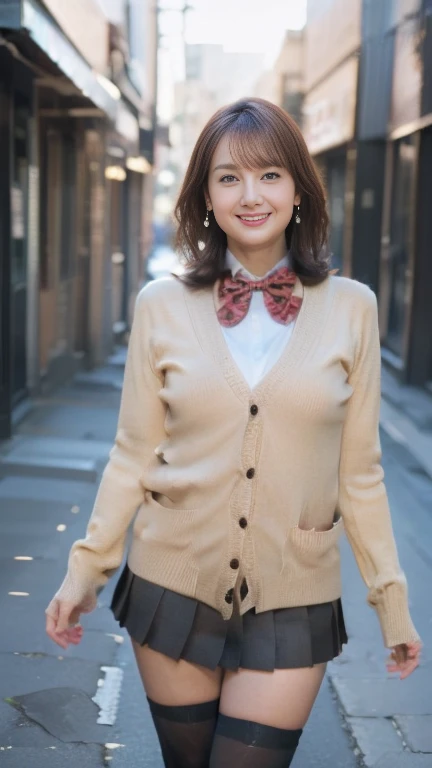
(48, 480)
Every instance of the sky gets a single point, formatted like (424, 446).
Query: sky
(255, 26)
(245, 25)
(242, 26)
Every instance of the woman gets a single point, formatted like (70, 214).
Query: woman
(248, 439)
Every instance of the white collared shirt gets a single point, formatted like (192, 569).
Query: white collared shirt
(257, 342)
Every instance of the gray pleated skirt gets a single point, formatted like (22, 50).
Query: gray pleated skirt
(185, 628)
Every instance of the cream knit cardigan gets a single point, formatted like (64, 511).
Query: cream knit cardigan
(217, 484)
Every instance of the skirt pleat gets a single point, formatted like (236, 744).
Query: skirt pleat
(293, 638)
(121, 596)
(206, 639)
(321, 619)
(185, 628)
(259, 640)
(138, 621)
(173, 610)
(231, 652)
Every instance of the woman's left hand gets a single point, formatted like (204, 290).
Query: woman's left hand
(404, 658)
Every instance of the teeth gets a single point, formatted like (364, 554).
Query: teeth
(254, 218)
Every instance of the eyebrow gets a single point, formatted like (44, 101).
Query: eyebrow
(226, 166)
(232, 167)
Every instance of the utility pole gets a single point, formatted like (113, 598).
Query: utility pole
(183, 10)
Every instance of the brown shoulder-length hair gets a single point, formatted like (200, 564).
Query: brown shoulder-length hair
(260, 134)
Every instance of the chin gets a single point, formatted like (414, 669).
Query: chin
(258, 238)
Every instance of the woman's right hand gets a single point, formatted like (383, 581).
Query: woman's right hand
(62, 621)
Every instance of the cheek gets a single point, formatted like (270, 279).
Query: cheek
(283, 200)
(223, 204)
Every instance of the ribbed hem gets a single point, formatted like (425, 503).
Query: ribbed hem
(152, 564)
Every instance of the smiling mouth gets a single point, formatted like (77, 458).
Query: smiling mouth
(259, 217)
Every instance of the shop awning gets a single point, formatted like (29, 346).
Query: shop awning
(28, 16)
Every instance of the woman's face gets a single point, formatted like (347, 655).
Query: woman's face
(252, 207)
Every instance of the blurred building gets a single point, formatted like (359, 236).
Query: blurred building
(209, 84)
(77, 93)
(368, 122)
(332, 44)
(283, 84)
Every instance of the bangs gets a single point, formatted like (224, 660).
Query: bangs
(254, 146)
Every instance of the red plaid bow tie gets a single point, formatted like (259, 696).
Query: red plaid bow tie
(233, 297)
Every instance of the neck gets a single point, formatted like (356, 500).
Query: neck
(260, 260)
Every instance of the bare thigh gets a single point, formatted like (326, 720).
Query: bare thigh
(283, 698)
(175, 683)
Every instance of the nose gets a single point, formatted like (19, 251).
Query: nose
(251, 195)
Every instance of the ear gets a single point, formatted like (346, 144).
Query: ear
(297, 200)
(209, 205)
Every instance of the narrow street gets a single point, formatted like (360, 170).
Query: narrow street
(48, 479)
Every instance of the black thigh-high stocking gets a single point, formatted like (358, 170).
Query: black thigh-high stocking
(185, 732)
(245, 744)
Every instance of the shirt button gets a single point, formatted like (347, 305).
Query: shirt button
(234, 564)
(254, 410)
(243, 522)
(229, 596)
(250, 473)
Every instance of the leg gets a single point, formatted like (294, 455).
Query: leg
(262, 716)
(184, 701)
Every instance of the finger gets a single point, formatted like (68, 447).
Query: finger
(76, 635)
(64, 617)
(66, 637)
(52, 634)
(403, 669)
(58, 639)
(395, 667)
(409, 670)
(50, 624)
(392, 668)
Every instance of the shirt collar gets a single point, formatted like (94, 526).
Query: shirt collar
(236, 266)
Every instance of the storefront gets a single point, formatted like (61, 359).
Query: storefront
(17, 208)
(329, 129)
(56, 250)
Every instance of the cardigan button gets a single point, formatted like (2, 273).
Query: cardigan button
(229, 596)
(234, 564)
(250, 473)
(254, 409)
(243, 522)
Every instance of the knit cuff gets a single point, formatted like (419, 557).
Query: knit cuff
(391, 605)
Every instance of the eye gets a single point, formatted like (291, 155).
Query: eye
(272, 173)
(228, 179)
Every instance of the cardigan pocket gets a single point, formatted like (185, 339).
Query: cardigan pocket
(314, 549)
(172, 531)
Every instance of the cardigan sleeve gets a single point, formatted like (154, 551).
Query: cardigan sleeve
(94, 559)
(363, 501)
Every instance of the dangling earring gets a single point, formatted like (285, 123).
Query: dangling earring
(297, 218)
(206, 220)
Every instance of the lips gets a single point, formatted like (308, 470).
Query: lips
(257, 220)
(255, 217)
